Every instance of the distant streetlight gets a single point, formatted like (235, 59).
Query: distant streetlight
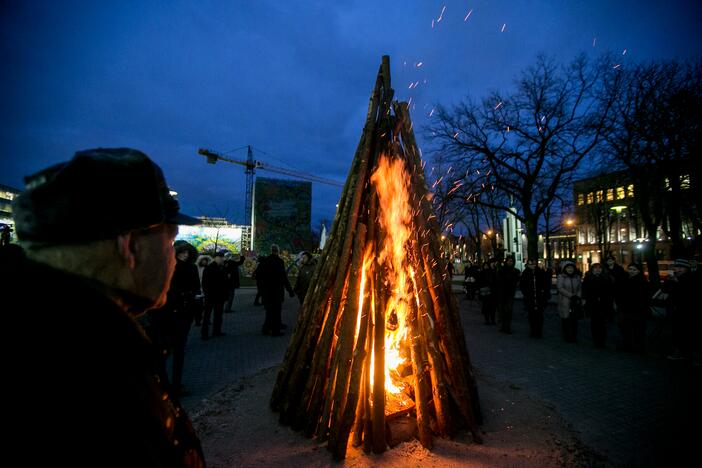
(569, 222)
(489, 232)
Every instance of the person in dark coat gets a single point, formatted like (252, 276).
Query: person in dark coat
(681, 303)
(215, 286)
(254, 275)
(598, 293)
(304, 276)
(535, 284)
(274, 283)
(231, 266)
(487, 291)
(507, 280)
(635, 303)
(87, 388)
(617, 275)
(170, 325)
(470, 281)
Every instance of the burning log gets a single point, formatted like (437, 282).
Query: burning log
(379, 338)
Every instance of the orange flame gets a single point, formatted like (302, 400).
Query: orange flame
(391, 182)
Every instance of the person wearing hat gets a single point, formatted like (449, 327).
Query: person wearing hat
(231, 266)
(170, 325)
(87, 385)
(569, 285)
(681, 289)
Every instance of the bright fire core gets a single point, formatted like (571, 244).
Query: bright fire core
(395, 216)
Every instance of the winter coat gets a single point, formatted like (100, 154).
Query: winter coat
(507, 280)
(536, 287)
(231, 266)
(598, 293)
(635, 296)
(304, 276)
(88, 382)
(568, 286)
(273, 280)
(215, 283)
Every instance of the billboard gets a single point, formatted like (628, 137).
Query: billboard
(282, 214)
(211, 238)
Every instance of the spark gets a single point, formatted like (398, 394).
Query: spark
(432, 23)
(441, 16)
(432, 111)
(507, 128)
(420, 64)
(468, 15)
(504, 26)
(543, 118)
(499, 104)
(455, 135)
(624, 53)
(617, 66)
(409, 102)
(594, 41)
(411, 85)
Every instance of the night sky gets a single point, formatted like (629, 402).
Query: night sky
(291, 78)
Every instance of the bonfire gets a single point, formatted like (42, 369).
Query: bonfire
(378, 353)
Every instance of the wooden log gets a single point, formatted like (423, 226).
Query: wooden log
(421, 396)
(342, 354)
(295, 368)
(351, 356)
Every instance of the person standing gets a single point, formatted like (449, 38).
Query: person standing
(681, 289)
(170, 325)
(98, 233)
(598, 294)
(274, 283)
(617, 276)
(215, 286)
(635, 302)
(569, 287)
(535, 285)
(487, 291)
(507, 280)
(231, 266)
(304, 276)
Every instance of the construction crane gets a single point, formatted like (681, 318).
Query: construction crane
(251, 165)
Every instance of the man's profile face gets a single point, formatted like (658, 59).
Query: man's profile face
(155, 262)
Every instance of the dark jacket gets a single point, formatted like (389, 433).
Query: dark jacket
(536, 287)
(166, 324)
(215, 283)
(635, 296)
(273, 280)
(86, 387)
(598, 293)
(507, 280)
(231, 266)
(304, 276)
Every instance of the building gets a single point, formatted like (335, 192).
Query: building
(607, 221)
(7, 195)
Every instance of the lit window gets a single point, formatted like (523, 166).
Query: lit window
(581, 199)
(620, 193)
(590, 198)
(685, 181)
(599, 196)
(610, 194)
(630, 190)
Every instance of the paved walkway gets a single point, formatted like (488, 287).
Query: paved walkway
(627, 407)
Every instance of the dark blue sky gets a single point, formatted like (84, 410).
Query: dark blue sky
(291, 78)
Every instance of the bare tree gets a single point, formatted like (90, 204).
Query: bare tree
(655, 131)
(526, 144)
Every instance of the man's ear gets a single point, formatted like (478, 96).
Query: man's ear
(128, 249)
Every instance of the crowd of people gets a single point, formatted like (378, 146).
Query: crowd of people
(110, 295)
(606, 294)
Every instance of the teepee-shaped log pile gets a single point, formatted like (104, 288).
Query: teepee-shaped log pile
(379, 341)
